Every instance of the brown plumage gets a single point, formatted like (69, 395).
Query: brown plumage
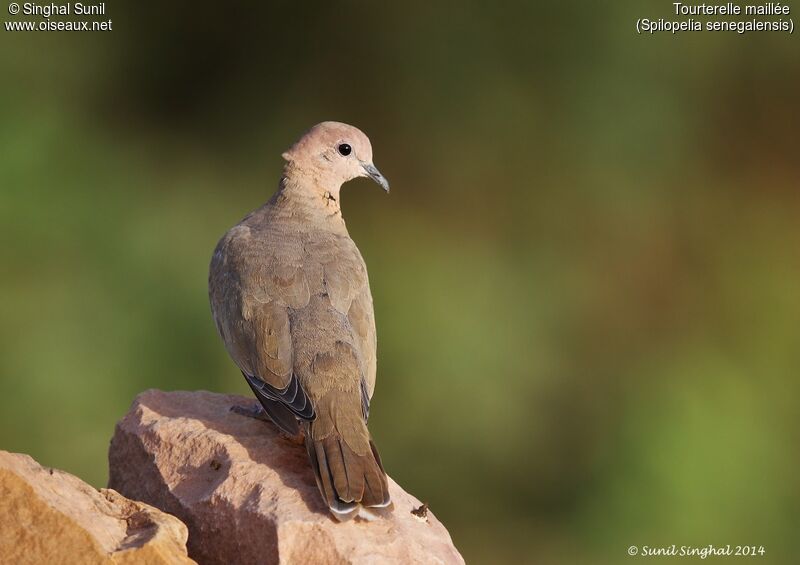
(290, 297)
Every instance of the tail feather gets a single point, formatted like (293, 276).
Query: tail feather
(377, 483)
(352, 487)
(345, 478)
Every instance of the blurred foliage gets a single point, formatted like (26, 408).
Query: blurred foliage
(586, 276)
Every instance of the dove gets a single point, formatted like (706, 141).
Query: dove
(291, 301)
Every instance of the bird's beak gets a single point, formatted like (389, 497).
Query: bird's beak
(372, 172)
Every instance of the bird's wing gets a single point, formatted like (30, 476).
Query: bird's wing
(362, 320)
(250, 297)
(267, 341)
(347, 287)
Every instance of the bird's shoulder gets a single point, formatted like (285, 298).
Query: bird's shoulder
(267, 257)
(339, 270)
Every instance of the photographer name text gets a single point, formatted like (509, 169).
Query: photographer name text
(74, 9)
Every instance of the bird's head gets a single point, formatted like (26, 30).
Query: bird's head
(333, 153)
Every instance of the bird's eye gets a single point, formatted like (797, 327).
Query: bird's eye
(344, 149)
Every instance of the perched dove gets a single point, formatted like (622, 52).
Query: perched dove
(291, 300)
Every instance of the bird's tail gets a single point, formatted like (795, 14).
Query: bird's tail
(346, 475)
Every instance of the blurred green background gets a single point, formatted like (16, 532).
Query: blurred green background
(586, 278)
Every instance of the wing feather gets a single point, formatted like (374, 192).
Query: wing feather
(253, 321)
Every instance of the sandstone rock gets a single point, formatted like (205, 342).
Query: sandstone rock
(248, 494)
(49, 516)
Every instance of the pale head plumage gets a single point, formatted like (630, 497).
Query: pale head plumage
(333, 153)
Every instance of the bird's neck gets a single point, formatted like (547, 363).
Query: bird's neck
(312, 197)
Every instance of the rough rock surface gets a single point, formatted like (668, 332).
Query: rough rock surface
(49, 516)
(248, 494)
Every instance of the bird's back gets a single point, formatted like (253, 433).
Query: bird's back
(317, 275)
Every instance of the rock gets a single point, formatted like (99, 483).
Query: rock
(49, 516)
(248, 494)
